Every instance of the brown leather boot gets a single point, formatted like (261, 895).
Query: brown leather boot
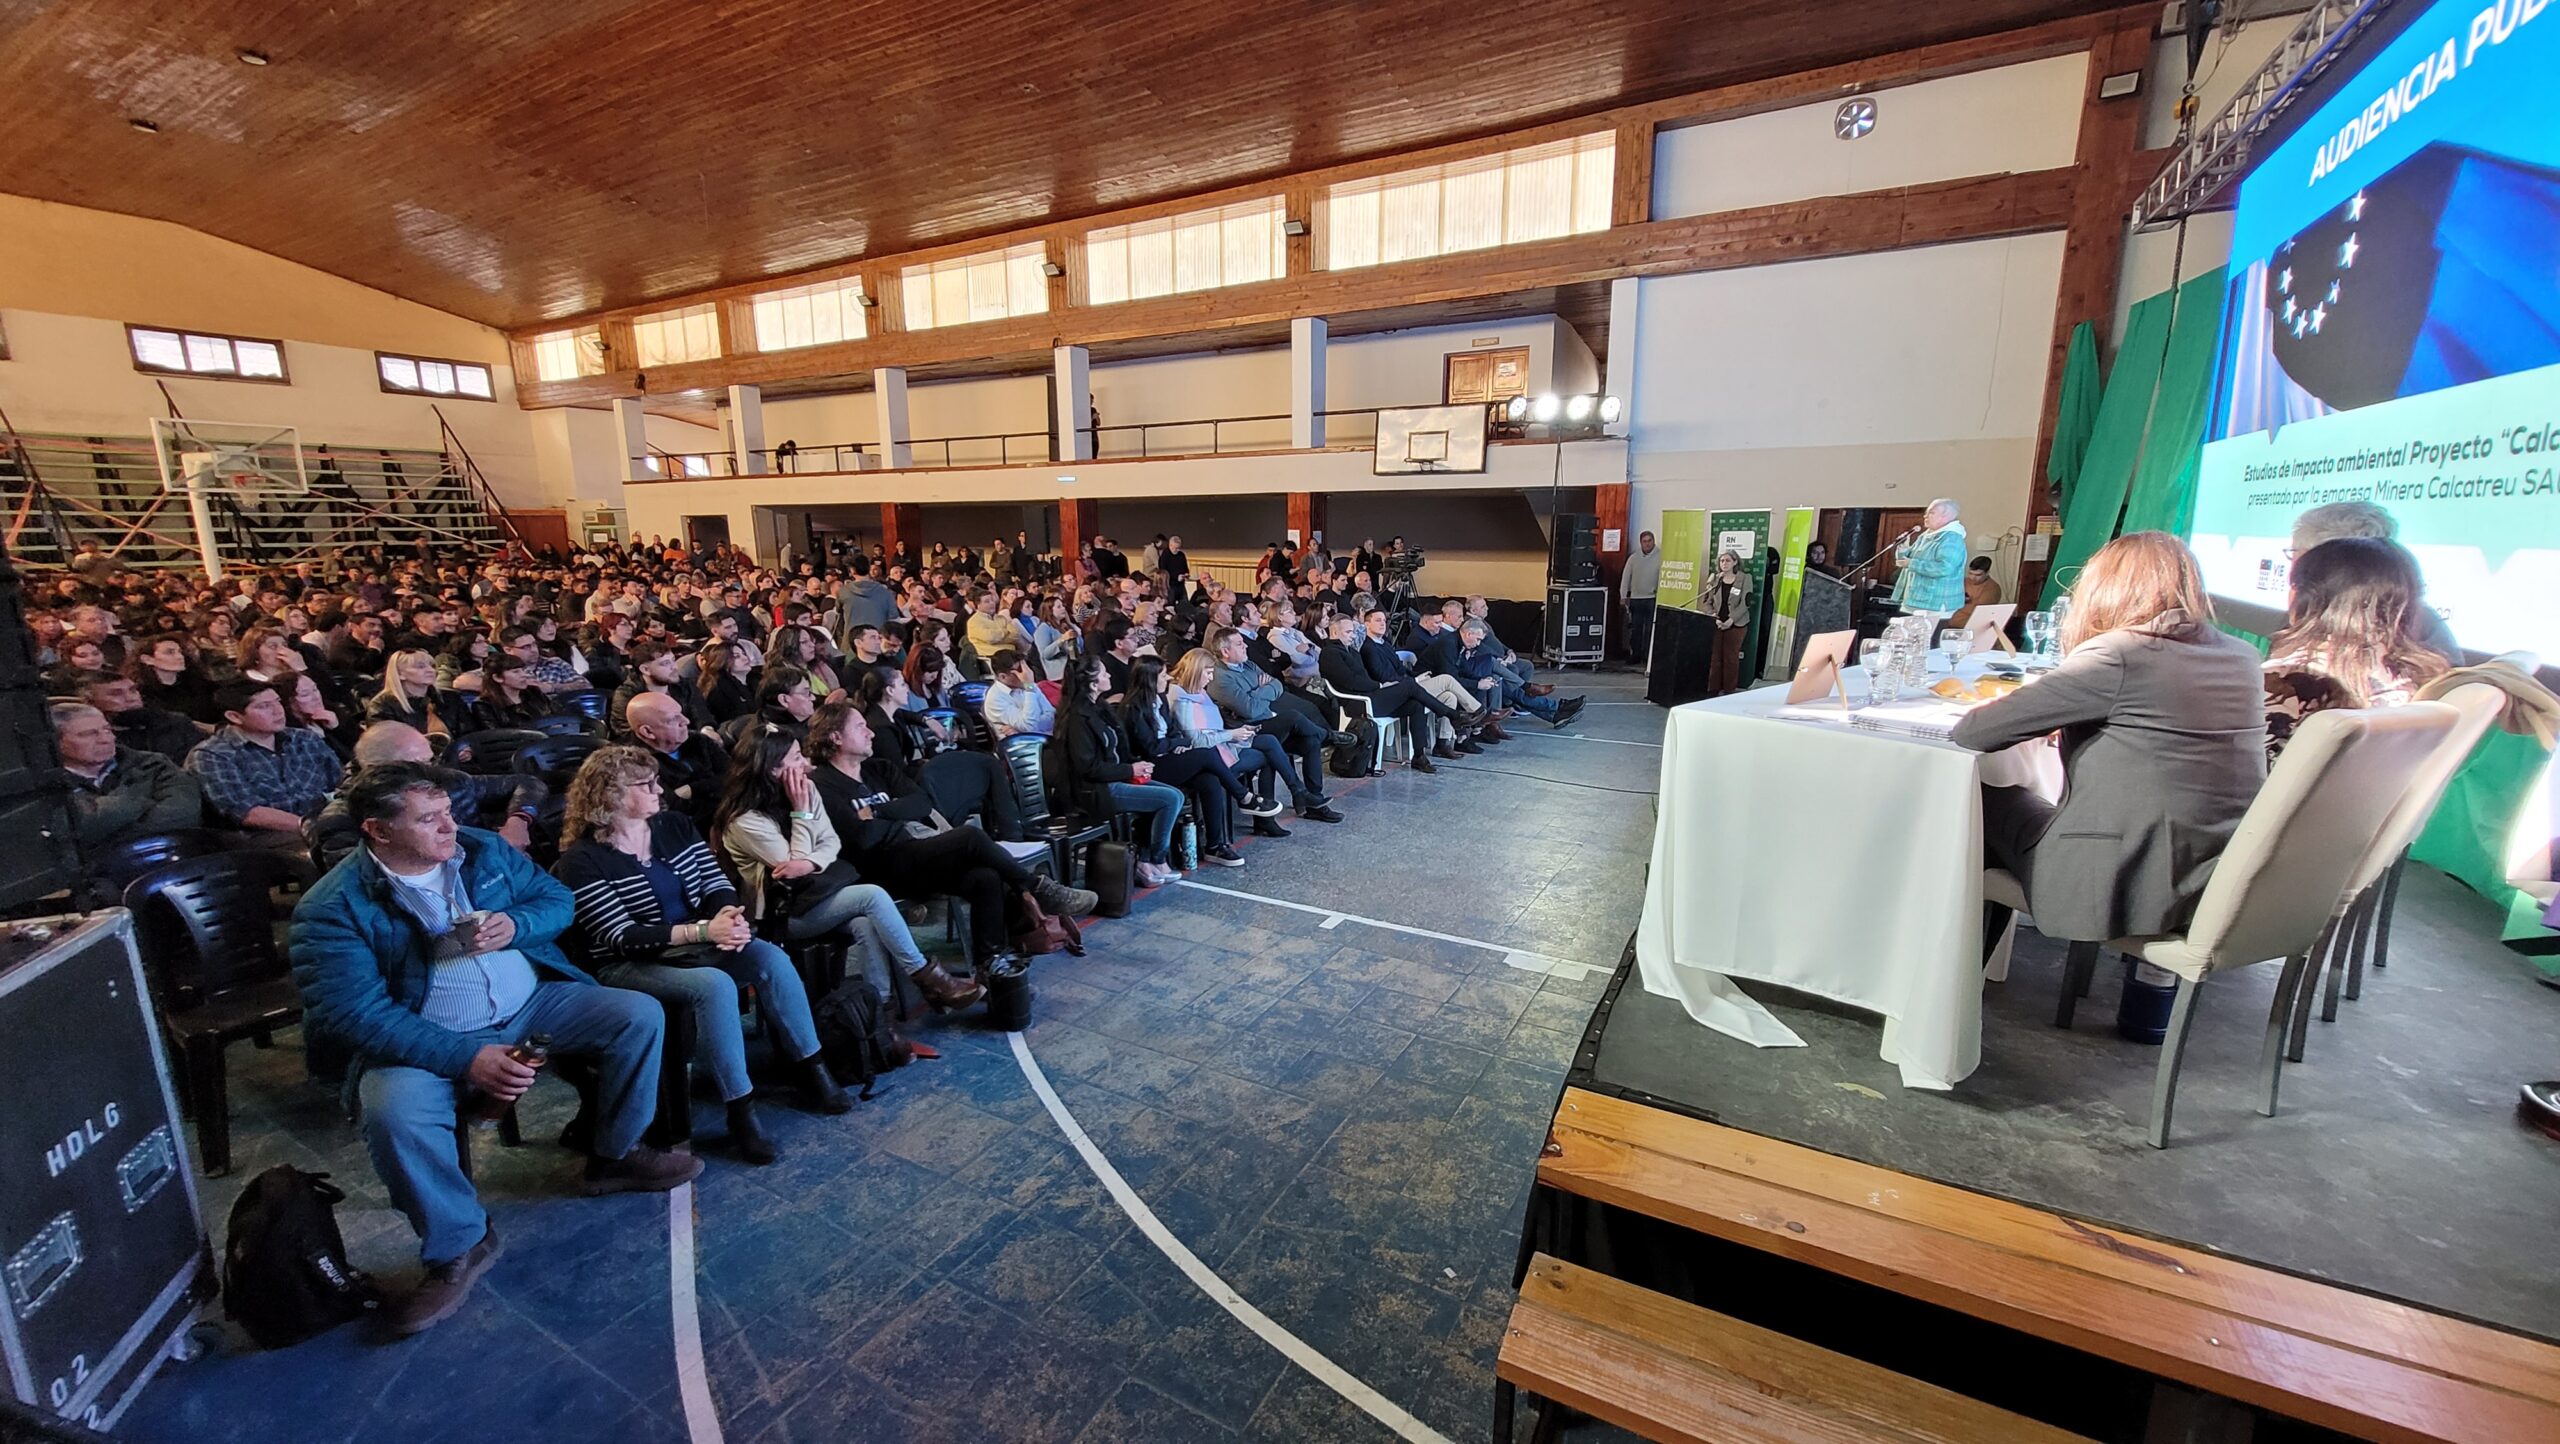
(1493, 732)
(943, 992)
(1539, 689)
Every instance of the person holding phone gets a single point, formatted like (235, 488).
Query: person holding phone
(659, 916)
(1100, 774)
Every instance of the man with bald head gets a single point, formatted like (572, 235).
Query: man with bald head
(691, 764)
(506, 803)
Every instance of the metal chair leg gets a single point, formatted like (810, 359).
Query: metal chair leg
(212, 1091)
(2173, 1056)
(2271, 1058)
(2382, 923)
(2349, 963)
(2079, 966)
(2299, 1000)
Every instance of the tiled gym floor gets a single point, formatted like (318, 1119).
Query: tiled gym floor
(1340, 1121)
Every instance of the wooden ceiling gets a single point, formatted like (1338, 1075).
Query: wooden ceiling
(518, 162)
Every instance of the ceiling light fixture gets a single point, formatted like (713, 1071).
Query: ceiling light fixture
(253, 57)
(146, 127)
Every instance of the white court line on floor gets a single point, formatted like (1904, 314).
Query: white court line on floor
(1521, 958)
(701, 1420)
(1554, 736)
(1296, 1350)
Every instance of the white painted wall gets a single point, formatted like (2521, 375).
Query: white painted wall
(1877, 380)
(76, 374)
(1194, 388)
(1404, 368)
(2015, 118)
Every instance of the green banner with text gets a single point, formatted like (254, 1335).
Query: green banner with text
(1684, 549)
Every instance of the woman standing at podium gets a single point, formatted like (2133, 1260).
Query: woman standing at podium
(1727, 599)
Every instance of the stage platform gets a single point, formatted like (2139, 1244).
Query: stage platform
(2395, 1165)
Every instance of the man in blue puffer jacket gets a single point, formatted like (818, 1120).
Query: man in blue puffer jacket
(429, 952)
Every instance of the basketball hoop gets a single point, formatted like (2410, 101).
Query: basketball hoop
(200, 458)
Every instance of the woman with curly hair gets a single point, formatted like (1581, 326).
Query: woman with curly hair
(659, 916)
(2351, 635)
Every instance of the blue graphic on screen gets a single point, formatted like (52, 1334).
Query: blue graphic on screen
(2392, 326)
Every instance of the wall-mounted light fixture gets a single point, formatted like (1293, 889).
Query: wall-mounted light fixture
(1293, 227)
(1052, 268)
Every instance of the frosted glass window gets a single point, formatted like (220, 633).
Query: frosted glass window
(1201, 250)
(193, 353)
(1560, 188)
(825, 314)
(669, 338)
(417, 375)
(568, 355)
(987, 286)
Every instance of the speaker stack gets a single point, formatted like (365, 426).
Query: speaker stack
(1574, 557)
(37, 857)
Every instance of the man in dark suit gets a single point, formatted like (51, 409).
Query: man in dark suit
(1342, 665)
(1461, 716)
(691, 764)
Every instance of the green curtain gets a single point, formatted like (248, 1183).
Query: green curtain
(2115, 443)
(2075, 415)
(2164, 486)
(2467, 837)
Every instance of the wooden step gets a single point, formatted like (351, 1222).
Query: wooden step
(2362, 1365)
(1672, 1371)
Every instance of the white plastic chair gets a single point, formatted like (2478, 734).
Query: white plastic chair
(2282, 881)
(1392, 744)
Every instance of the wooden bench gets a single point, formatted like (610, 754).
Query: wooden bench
(1676, 1372)
(2347, 1361)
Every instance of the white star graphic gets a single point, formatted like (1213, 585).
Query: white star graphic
(2298, 323)
(2333, 293)
(2355, 208)
(2285, 281)
(2288, 308)
(2347, 252)
(2318, 313)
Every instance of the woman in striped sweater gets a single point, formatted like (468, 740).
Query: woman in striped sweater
(658, 916)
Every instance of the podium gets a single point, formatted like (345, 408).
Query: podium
(1683, 652)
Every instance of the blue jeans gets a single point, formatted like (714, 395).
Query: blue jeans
(1160, 801)
(1542, 708)
(705, 979)
(883, 941)
(411, 1115)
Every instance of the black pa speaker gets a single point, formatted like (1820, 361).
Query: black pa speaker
(1574, 556)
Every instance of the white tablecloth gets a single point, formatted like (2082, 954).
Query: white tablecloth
(1830, 860)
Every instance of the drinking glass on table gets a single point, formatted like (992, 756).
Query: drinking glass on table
(1870, 653)
(2039, 633)
(1956, 642)
(1884, 678)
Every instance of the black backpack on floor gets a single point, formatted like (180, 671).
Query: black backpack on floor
(1354, 760)
(285, 1275)
(855, 1036)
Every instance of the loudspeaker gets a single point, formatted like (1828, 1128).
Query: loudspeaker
(1574, 556)
(37, 856)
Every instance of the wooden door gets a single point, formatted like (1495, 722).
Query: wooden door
(542, 527)
(1474, 377)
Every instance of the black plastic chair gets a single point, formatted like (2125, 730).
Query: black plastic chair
(567, 724)
(556, 759)
(969, 706)
(921, 740)
(590, 704)
(492, 751)
(1068, 836)
(112, 867)
(206, 928)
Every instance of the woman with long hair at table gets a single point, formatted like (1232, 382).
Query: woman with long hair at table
(2350, 637)
(2162, 723)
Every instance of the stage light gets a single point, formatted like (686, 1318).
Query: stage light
(1293, 227)
(1545, 407)
(1578, 409)
(1052, 268)
(1516, 409)
(1611, 408)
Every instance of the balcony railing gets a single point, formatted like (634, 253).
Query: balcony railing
(1129, 440)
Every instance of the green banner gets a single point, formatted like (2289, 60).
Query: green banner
(1683, 535)
(1782, 629)
(1746, 534)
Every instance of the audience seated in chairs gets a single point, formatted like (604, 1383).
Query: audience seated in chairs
(508, 696)
(1255, 753)
(962, 783)
(1342, 668)
(877, 813)
(409, 697)
(1465, 715)
(1480, 666)
(784, 699)
(1286, 724)
(1014, 701)
(1203, 767)
(651, 667)
(726, 668)
(506, 803)
(117, 792)
(657, 914)
(2163, 730)
(260, 773)
(2352, 635)
(137, 724)
(692, 765)
(772, 824)
(170, 679)
(1099, 774)
(428, 954)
